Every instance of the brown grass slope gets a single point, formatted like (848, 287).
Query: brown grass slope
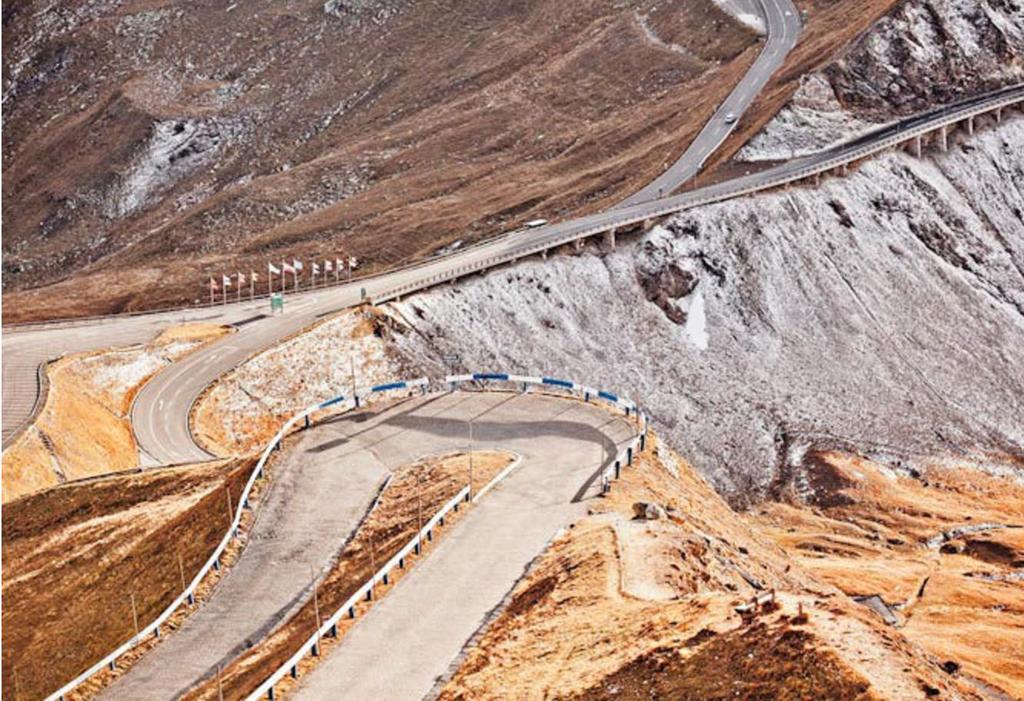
(75, 555)
(385, 131)
(622, 608)
(84, 427)
(865, 529)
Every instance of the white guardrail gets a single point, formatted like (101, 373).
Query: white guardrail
(343, 404)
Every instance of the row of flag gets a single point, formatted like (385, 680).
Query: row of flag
(295, 268)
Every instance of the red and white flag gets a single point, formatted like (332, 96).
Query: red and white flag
(226, 281)
(272, 269)
(287, 268)
(213, 285)
(241, 279)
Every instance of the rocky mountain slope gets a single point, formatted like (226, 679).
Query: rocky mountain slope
(923, 53)
(149, 145)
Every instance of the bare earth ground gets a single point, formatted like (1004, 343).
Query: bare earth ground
(84, 427)
(866, 530)
(626, 608)
(416, 491)
(75, 554)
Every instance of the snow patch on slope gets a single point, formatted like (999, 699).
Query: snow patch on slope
(311, 367)
(745, 12)
(812, 120)
(176, 148)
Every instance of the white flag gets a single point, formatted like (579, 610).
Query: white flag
(213, 285)
(253, 276)
(316, 269)
(241, 279)
(226, 281)
(353, 262)
(272, 269)
(297, 264)
(328, 266)
(340, 263)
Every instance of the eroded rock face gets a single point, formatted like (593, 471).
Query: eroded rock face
(667, 284)
(932, 51)
(881, 311)
(648, 511)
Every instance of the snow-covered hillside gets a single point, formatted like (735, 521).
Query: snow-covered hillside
(883, 312)
(924, 53)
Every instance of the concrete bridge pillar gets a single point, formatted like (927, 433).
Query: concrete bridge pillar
(999, 114)
(544, 254)
(943, 139)
(648, 223)
(970, 125)
(578, 244)
(917, 146)
(609, 238)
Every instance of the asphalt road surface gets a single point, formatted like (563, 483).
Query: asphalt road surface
(316, 500)
(782, 21)
(324, 484)
(412, 635)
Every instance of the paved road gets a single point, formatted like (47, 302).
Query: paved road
(161, 409)
(412, 635)
(782, 21)
(327, 480)
(24, 351)
(317, 498)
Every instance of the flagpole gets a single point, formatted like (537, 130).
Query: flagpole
(252, 284)
(211, 291)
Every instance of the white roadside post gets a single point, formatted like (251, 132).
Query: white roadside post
(470, 460)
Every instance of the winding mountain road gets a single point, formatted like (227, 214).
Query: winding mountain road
(161, 408)
(782, 23)
(160, 415)
(322, 486)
